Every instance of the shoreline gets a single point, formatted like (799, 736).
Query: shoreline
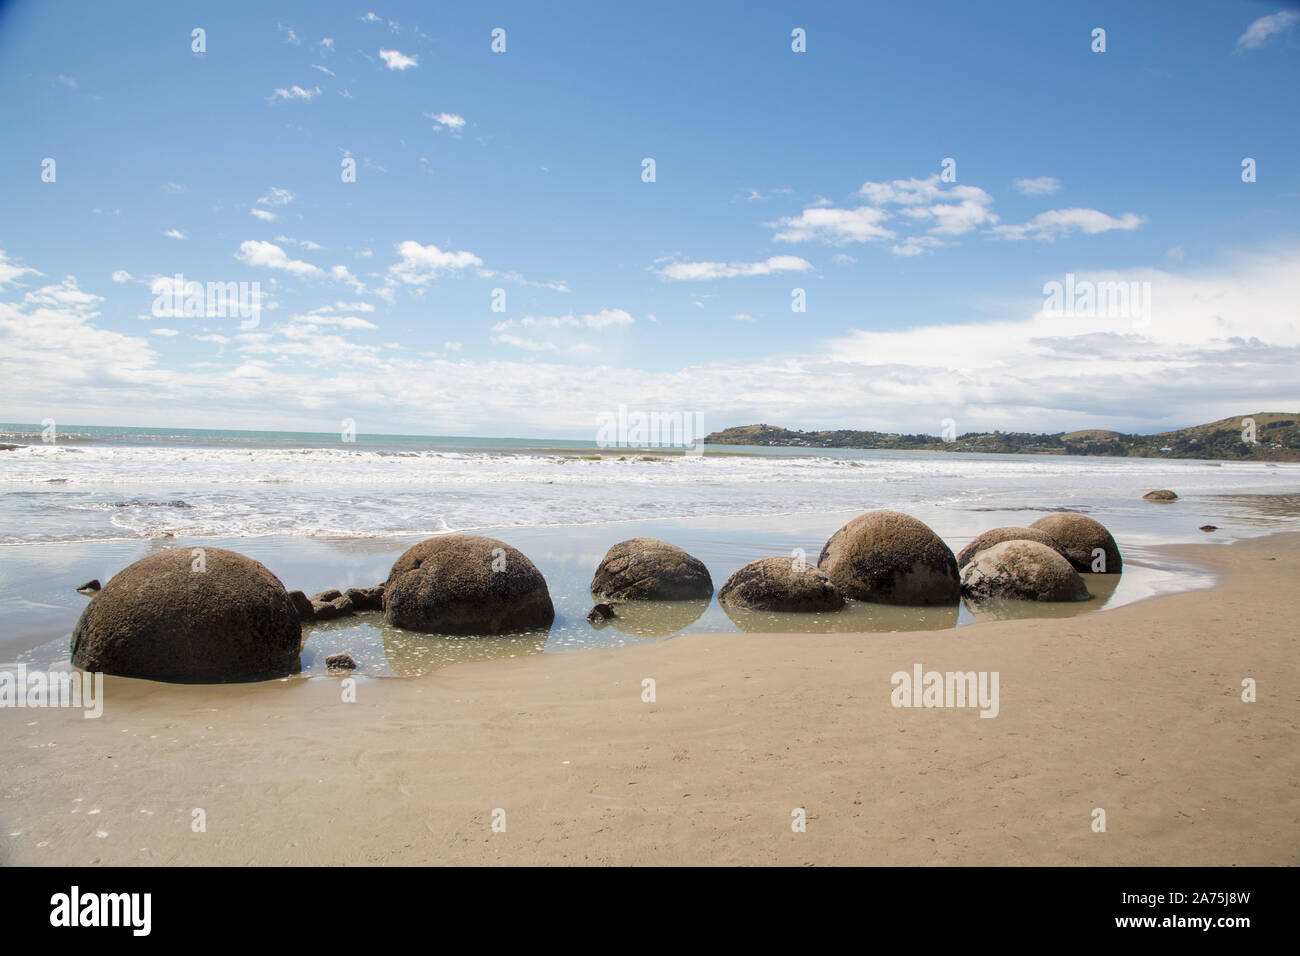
(44, 605)
(1137, 712)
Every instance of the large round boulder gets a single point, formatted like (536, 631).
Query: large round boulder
(891, 558)
(647, 569)
(781, 584)
(190, 615)
(997, 535)
(466, 584)
(1079, 537)
(1023, 570)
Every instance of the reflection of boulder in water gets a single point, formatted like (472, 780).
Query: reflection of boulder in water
(1101, 586)
(656, 618)
(855, 617)
(411, 654)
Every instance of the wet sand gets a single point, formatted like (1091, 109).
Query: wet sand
(1135, 710)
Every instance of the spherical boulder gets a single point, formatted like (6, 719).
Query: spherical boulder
(997, 535)
(1023, 570)
(466, 584)
(190, 615)
(781, 584)
(1160, 494)
(891, 558)
(1079, 537)
(647, 569)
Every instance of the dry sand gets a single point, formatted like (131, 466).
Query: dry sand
(1137, 711)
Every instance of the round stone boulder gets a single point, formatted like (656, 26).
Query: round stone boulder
(647, 569)
(1024, 571)
(996, 536)
(1160, 494)
(1079, 537)
(466, 584)
(781, 584)
(190, 616)
(891, 558)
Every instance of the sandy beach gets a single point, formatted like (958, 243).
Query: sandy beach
(1137, 711)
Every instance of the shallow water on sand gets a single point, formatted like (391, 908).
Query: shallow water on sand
(37, 582)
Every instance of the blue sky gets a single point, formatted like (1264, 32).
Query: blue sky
(774, 170)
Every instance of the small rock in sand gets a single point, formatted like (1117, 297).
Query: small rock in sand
(601, 612)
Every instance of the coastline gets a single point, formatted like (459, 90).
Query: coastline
(1136, 711)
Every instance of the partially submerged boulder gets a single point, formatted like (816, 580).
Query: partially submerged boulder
(366, 599)
(1022, 570)
(781, 584)
(647, 569)
(891, 558)
(466, 584)
(170, 617)
(1160, 494)
(997, 535)
(303, 605)
(602, 612)
(1087, 543)
(340, 662)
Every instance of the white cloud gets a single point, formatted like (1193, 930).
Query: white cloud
(121, 275)
(1220, 342)
(342, 274)
(294, 93)
(953, 209)
(371, 18)
(275, 196)
(1259, 31)
(324, 69)
(944, 210)
(915, 245)
(263, 214)
(317, 318)
(327, 43)
(834, 225)
(726, 270)
(420, 265)
(1052, 225)
(10, 271)
(538, 322)
(291, 38)
(165, 332)
(1041, 186)
(522, 342)
(268, 255)
(743, 317)
(174, 234)
(608, 318)
(398, 61)
(305, 243)
(449, 121)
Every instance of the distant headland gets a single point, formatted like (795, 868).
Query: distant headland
(1263, 436)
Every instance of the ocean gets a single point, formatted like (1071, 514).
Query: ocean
(322, 512)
